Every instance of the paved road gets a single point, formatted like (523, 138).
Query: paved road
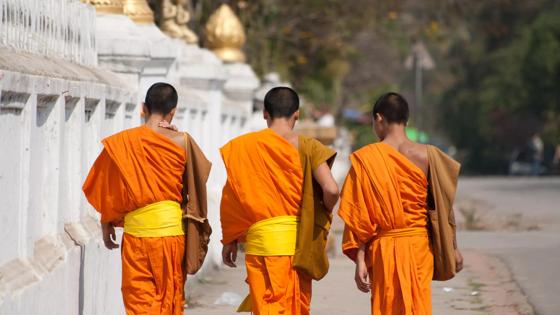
(533, 256)
(337, 294)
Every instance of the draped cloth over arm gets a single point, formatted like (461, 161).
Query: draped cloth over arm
(139, 167)
(443, 176)
(195, 209)
(315, 221)
(383, 205)
(264, 181)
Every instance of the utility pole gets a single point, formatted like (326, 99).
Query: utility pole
(418, 60)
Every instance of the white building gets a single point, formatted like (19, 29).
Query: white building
(70, 75)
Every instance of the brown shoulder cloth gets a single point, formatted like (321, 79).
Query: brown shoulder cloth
(197, 228)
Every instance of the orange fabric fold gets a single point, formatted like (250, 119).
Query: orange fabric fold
(138, 167)
(276, 287)
(383, 205)
(152, 275)
(264, 180)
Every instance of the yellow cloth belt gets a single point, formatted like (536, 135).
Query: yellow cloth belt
(273, 237)
(406, 232)
(163, 218)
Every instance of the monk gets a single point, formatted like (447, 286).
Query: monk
(384, 208)
(137, 182)
(261, 205)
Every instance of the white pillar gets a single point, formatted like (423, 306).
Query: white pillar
(123, 48)
(15, 124)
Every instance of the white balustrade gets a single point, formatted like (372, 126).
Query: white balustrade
(63, 29)
(55, 111)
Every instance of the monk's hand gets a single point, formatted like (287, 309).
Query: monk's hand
(229, 254)
(458, 260)
(165, 124)
(362, 276)
(109, 236)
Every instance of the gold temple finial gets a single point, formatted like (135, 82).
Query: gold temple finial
(224, 35)
(139, 11)
(173, 16)
(106, 6)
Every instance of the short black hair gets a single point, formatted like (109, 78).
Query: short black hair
(281, 102)
(161, 98)
(393, 107)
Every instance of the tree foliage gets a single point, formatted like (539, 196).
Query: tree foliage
(507, 89)
(497, 63)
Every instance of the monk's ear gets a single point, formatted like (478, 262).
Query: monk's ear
(266, 115)
(145, 110)
(296, 115)
(171, 114)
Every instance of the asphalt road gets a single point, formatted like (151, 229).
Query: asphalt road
(532, 256)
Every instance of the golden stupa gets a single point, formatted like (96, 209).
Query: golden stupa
(106, 6)
(139, 11)
(224, 35)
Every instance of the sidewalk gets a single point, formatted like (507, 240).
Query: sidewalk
(484, 287)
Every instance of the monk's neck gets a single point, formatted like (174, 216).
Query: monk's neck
(285, 129)
(396, 135)
(282, 126)
(153, 121)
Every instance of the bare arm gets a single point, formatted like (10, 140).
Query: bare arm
(325, 179)
(229, 254)
(362, 276)
(109, 236)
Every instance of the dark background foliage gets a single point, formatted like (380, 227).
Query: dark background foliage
(497, 75)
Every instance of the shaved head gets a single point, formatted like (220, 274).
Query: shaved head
(161, 98)
(393, 107)
(281, 102)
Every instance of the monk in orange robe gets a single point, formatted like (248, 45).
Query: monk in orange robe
(383, 204)
(261, 205)
(137, 181)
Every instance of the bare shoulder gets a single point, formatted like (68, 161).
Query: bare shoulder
(175, 136)
(418, 154)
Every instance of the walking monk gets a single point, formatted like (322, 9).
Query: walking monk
(384, 205)
(267, 202)
(138, 182)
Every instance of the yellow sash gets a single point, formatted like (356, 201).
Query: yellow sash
(271, 237)
(163, 218)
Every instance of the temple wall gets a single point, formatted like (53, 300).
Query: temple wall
(65, 84)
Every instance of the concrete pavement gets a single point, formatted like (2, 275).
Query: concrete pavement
(476, 290)
(533, 256)
(510, 268)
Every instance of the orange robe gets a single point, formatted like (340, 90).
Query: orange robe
(138, 167)
(383, 204)
(265, 180)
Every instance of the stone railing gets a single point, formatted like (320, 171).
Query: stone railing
(52, 28)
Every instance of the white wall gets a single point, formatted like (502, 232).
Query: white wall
(51, 254)
(51, 123)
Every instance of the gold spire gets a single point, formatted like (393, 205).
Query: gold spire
(106, 6)
(139, 11)
(224, 35)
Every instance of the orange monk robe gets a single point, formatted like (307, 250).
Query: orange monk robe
(385, 191)
(265, 180)
(138, 167)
